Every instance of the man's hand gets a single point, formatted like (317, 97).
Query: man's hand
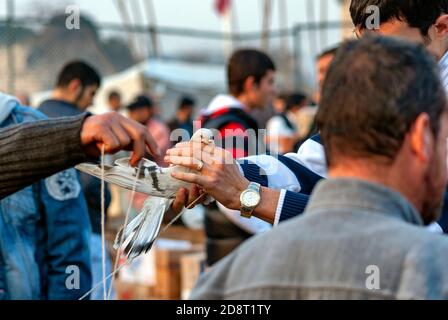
(116, 133)
(185, 198)
(219, 177)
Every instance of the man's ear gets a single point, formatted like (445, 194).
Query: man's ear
(441, 25)
(75, 86)
(249, 84)
(421, 138)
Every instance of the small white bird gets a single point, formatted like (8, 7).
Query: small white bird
(140, 233)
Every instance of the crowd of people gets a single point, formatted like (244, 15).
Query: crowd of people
(350, 179)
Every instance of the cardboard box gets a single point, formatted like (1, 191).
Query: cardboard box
(168, 269)
(181, 233)
(157, 275)
(192, 266)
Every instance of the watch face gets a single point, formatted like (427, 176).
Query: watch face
(250, 198)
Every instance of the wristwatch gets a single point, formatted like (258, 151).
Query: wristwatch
(250, 199)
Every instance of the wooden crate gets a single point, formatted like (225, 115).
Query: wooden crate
(191, 267)
(168, 269)
(182, 233)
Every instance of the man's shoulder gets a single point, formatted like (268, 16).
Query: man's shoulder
(423, 240)
(25, 114)
(57, 108)
(247, 268)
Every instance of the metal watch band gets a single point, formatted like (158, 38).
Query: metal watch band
(246, 212)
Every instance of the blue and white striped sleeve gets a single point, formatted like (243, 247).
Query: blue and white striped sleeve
(295, 174)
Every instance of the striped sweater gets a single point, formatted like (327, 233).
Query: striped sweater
(295, 174)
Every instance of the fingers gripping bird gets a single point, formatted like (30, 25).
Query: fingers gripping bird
(140, 233)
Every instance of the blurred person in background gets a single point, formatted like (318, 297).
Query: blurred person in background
(262, 116)
(142, 110)
(114, 101)
(184, 116)
(323, 63)
(279, 103)
(250, 78)
(306, 118)
(76, 86)
(282, 130)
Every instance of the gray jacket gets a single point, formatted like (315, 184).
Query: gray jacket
(32, 151)
(356, 240)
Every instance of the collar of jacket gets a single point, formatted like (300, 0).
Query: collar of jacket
(353, 195)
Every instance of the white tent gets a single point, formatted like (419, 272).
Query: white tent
(166, 81)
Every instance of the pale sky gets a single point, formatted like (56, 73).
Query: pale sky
(200, 15)
(184, 13)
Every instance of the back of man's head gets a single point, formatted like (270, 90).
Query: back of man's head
(247, 63)
(140, 102)
(374, 91)
(78, 70)
(296, 101)
(186, 102)
(114, 95)
(421, 14)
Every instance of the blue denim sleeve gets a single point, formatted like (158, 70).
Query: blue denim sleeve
(67, 258)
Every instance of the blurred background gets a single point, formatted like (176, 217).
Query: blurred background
(169, 46)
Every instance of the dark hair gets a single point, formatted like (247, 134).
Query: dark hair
(374, 91)
(331, 51)
(140, 102)
(244, 64)
(80, 70)
(186, 102)
(421, 14)
(114, 95)
(294, 100)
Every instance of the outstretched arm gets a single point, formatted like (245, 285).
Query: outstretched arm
(32, 151)
(222, 178)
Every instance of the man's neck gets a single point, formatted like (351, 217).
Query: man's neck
(182, 117)
(384, 175)
(243, 99)
(62, 95)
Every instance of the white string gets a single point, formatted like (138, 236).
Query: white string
(128, 211)
(103, 222)
(127, 262)
(103, 241)
(101, 282)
